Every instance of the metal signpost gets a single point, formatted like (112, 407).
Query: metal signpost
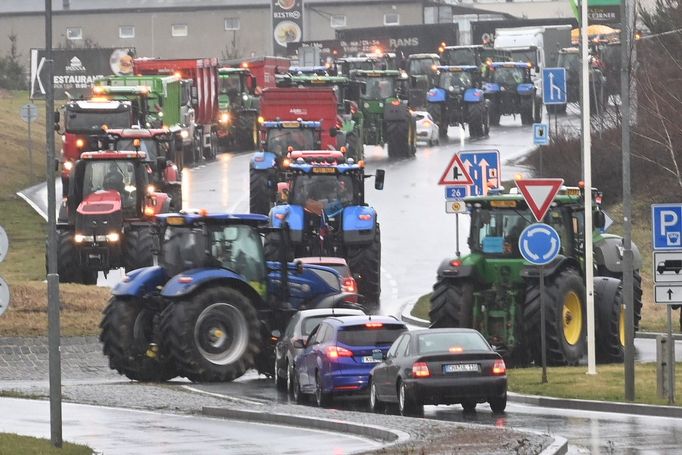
(540, 243)
(666, 222)
(457, 175)
(29, 113)
(483, 167)
(4, 288)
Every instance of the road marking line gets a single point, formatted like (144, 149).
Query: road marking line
(218, 395)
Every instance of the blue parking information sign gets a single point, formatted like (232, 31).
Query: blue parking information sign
(484, 168)
(539, 244)
(666, 223)
(455, 192)
(554, 85)
(540, 134)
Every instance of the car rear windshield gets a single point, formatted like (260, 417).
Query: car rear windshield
(452, 342)
(361, 335)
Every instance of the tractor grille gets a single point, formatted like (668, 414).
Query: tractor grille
(101, 207)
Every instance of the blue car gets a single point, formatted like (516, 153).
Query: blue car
(339, 354)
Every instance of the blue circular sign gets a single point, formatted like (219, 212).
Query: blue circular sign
(539, 244)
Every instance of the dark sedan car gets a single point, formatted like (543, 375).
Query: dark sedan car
(439, 366)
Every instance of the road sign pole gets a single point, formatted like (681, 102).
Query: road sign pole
(671, 356)
(457, 234)
(587, 177)
(30, 151)
(543, 325)
(52, 276)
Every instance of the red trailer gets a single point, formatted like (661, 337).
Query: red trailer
(264, 68)
(203, 72)
(311, 104)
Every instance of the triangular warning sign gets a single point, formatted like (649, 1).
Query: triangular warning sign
(455, 173)
(539, 194)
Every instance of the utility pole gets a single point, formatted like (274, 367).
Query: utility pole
(52, 276)
(628, 278)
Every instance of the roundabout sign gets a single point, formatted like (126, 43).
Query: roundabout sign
(539, 244)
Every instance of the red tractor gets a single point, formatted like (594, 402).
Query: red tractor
(109, 215)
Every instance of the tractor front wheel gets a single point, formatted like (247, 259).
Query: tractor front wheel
(247, 131)
(127, 338)
(68, 264)
(214, 336)
(527, 111)
(365, 263)
(260, 194)
(452, 303)
(137, 251)
(475, 120)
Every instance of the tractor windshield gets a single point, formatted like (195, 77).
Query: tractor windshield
(322, 192)
(183, 248)
(509, 75)
(280, 139)
(496, 232)
(525, 55)
(463, 56)
(421, 66)
(112, 175)
(378, 88)
(91, 121)
(239, 248)
(231, 86)
(459, 80)
(150, 146)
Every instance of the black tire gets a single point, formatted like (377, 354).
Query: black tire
(495, 114)
(296, 392)
(562, 285)
(211, 152)
(375, 404)
(175, 193)
(527, 111)
(498, 404)
(469, 406)
(68, 263)
(197, 146)
(408, 405)
(610, 334)
(412, 139)
(397, 138)
(214, 336)
(365, 262)
(137, 251)
(475, 120)
(322, 398)
(247, 131)
(260, 196)
(127, 330)
(279, 380)
(452, 304)
(89, 277)
(636, 291)
(290, 378)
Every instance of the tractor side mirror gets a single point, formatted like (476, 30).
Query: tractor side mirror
(56, 119)
(599, 219)
(333, 132)
(379, 179)
(299, 267)
(299, 343)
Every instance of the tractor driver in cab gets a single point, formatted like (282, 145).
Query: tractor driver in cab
(511, 238)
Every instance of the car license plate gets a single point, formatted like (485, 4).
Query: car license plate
(461, 368)
(370, 359)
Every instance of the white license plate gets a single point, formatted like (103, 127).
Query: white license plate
(461, 368)
(370, 359)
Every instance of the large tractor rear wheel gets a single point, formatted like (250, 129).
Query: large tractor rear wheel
(247, 131)
(128, 341)
(214, 336)
(365, 263)
(610, 320)
(260, 195)
(138, 248)
(452, 303)
(564, 301)
(397, 137)
(636, 290)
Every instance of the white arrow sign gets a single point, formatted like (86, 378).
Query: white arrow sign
(4, 295)
(670, 294)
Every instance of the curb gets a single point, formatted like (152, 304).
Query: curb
(653, 335)
(598, 406)
(369, 431)
(559, 446)
(407, 317)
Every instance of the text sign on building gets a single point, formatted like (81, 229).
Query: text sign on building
(287, 24)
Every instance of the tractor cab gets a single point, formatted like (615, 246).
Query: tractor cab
(236, 87)
(511, 89)
(456, 79)
(379, 61)
(280, 137)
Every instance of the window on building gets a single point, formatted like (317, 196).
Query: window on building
(74, 33)
(232, 23)
(179, 30)
(391, 19)
(126, 31)
(337, 20)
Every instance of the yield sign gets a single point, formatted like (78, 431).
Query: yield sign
(539, 194)
(455, 173)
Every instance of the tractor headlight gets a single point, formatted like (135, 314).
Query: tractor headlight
(113, 237)
(68, 165)
(225, 118)
(184, 134)
(78, 238)
(245, 97)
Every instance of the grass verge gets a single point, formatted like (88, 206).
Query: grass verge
(11, 444)
(607, 385)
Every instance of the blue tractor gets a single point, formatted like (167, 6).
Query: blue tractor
(326, 215)
(209, 309)
(265, 167)
(458, 99)
(511, 90)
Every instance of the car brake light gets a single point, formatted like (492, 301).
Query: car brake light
(374, 325)
(349, 285)
(334, 352)
(499, 368)
(420, 370)
(456, 349)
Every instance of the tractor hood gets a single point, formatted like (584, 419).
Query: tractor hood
(99, 213)
(100, 203)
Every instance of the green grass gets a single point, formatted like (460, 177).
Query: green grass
(421, 308)
(17, 394)
(11, 444)
(607, 385)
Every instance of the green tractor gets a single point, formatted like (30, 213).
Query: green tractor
(387, 118)
(498, 293)
(239, 106)
(349, 120)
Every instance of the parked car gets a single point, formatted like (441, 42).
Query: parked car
(339, 354)
(427, 128)
(439, 366)
(299, 328)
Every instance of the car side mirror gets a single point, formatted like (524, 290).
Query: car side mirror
(599, 219)
(299, 344)
(379, 179)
